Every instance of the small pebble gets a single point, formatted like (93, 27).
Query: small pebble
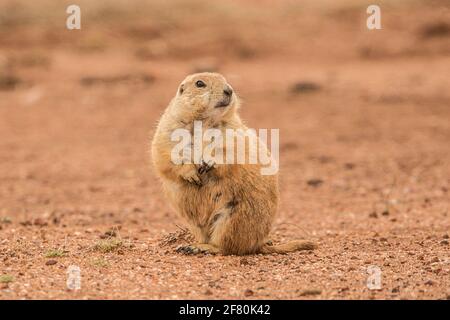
(373, 215)
(310, 292)
(314, 182)
(208, 292)
(248, 293)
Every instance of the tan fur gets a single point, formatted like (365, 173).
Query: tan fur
(230, 208)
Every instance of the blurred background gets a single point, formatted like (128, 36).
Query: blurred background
(364, 115)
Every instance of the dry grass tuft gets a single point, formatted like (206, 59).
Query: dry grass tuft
(181, 235)
(55, 253)
(100, 263)
(108, 245)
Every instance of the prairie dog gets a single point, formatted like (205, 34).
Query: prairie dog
(228, 207)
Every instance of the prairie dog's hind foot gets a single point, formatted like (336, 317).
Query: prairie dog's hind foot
(198, 248)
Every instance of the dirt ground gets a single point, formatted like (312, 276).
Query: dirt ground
(364, 119)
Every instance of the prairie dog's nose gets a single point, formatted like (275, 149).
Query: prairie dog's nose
(228, 91)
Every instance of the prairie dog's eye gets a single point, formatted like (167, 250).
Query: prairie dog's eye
(200, 84)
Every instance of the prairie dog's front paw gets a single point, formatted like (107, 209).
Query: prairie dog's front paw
(190, 175)
(205, 167)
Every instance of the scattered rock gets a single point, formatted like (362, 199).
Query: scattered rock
(323, 159)
(111, 233)
(429, 283)
(385, 213)
(310, 292)
(108, 234)
(26, 223)
(248, 293)
(349, 166)
(314, 182)
(208, 292)
(244, 262)
(243, 51)
(289, 146)
(9, 82)
(305, 87)
(437, 29)
(40, 222)
(51, 262)
(444, 242)
(396, 290)
(373, 214)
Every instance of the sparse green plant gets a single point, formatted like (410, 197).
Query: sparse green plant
(100, 262)
(5, 220)
(6, 278)
(108, 245)
(55, 253)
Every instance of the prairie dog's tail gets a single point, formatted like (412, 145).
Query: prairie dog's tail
(288, 247)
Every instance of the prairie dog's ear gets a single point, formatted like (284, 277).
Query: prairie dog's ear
(181, 89)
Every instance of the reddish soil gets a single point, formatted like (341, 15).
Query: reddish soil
(364, 119)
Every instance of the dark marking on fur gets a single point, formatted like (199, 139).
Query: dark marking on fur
(217, 196)
(212, 221)
(215, 218)
(231, 204)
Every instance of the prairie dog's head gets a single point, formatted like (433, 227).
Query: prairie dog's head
(205, 95)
